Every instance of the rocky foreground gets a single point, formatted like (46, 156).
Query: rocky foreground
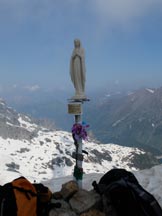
(87, 202)
(76, 202)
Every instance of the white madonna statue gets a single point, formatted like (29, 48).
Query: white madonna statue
(78, 71)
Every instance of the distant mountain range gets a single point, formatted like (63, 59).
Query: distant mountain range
(127, 118)
(134, 119)
(30, 149)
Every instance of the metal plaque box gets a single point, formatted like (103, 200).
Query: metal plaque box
(75, 108)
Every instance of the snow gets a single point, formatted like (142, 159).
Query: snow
(130, 93)
(153, 125)
(108, 95)
(150, 180)
(150, 90)
(33, 160)
(120, 120)
(8, 123)
(2, 103)
(26, 124)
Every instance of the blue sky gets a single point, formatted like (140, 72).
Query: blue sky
(122, 42)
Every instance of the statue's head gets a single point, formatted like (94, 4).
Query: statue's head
(77, 43)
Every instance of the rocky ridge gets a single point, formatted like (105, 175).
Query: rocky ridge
(31, 150)
(133, 119)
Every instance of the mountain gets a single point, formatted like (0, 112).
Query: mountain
(40, 103)
(134, 119)
(38, 153)
(129, 118)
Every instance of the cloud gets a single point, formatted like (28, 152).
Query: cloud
(32, 88)
(34, 8)
(14, 86)
(119, 11)
(1, 88)
(123, 12)
(22, 10)
(116, 82)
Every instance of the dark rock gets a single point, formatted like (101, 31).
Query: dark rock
(93, 212)
(65, 209)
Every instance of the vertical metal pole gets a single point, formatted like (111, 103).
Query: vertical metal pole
(75, 108)
(79, 157)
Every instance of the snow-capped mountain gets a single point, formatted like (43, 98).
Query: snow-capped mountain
(40, 154)
(133, 119)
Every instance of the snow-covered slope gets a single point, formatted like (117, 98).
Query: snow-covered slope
(37, 153)
(49, 155)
